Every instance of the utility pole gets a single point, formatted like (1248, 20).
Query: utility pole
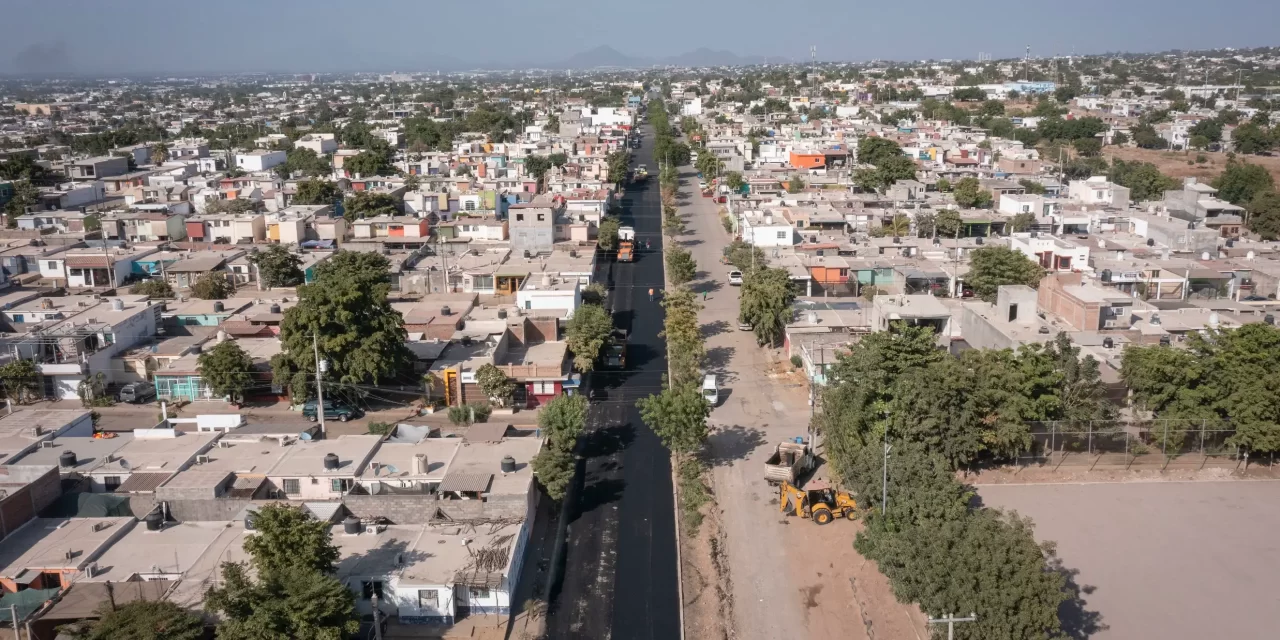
(321, 365)
(13, 615)
(950, 620)
(884, 478)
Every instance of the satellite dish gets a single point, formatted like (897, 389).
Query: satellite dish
(375, 488)
(391, 468)
(305, 435)
(124, 464)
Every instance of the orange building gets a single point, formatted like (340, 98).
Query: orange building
(808, 160)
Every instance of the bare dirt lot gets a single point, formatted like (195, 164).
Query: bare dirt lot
(1170, 560)
(1174, 163)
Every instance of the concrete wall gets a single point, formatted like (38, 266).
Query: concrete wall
(44, 485)
(417, 509)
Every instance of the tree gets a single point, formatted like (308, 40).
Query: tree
(153, 288)
(317, 192)
(679, 416)
(897, 226)
(607, 237)
(562, 420)
(1143, 179)
(370, 204)
(1022, 222)
(369, 163)
(213, 285)
(875, 151)
(765, 303)
(948, 223)
(1264, 215)
(969, 194)
(968, 94)
(145, 620)
(24, 195)
(595, 293)
(1119, 138)
(992, 267)
(1145, 136)
(1032, 187)
(304, 161)
(795, 184)
(944, 185)
(1249, 138)
(587, 334)
(745, 257)
(558, 160)
(618, 162)
(22, 167)
(159, 153)
(1240, 182)
(537, 167)
(230, 205)
(681, 267)
(288, 537)
(494, 384)
(227, 370)
(291, 603)
(412, 182)
(20, 381)
(346, 310)
(554, 469)
(278, 266)
(1088, 147)
(685, 347)
(733, 180)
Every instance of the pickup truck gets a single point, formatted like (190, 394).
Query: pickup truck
(789, 461)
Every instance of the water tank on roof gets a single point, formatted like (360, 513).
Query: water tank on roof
(445, 310)
(1151, 242)
(502, 314)
(67, 459)
(1108, 342)
(351, 526)
(977, 240)
(331, 461)
(154, 521)
(508, 464)
(1106, 275)
(275, 308)
(218, 306)
(117, 304)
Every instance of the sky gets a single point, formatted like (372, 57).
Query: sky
(119, 37)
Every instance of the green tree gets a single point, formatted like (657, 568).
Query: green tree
(230, 205)
(607, 237)
(969, 194)
(213, 285)
(20, 381)
(944, 185)
(412, 182)
(685, 347)
(278, 266)
(369, 163)
(618, 162)
(897, 226)
(734, 181)
(765, 303)
(159, 153)
(745, 257)
(1249, 138)
(948, 223)
(153, 288)
(25, 195)
(145, 620)
(537, 167)
(1087, 147)
(587, 335)
(369, 204)
(1119, 139)
(562, 420)
(1240, 182)
(316, 192)
(292, 603)
(347, 311)
(1264, 215)
(288, 537)
(227, 370)
(554, 469)
(681, 267)
(1143, 179)
(875, 151)
(795, 184)
(992, 267)
(679, 416)
(558, 160)
(968, 94)
(1032, 187)
(1022, 222)
(494, 384)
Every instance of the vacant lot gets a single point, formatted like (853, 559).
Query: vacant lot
(1168, 560)
(1174, 163)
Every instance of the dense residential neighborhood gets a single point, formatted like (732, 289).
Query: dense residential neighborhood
(567, 354)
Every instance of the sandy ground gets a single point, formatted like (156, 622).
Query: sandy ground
(1174, 163)
(779, 577)
(1170, 560)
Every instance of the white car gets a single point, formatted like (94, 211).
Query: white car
(735, 278)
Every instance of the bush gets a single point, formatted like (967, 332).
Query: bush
(796, 361)
(462, 415)
(152, 289)
(380, 428)
(693, 494)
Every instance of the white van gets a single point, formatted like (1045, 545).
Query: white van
(709, 390)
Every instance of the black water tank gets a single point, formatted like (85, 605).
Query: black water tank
(331, 461)
(1269, 319)
(977, 240)
(1230, 243)
(67, 459)
(275, 308)
(1165, 341)
(1106, 275)
(445, 310)
(351, 525)
(508, 464)
(218, 306)
(1151, 242)
(154, 521)
(1108, 343)
(502, 314)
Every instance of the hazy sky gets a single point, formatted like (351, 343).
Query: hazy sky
(124, 36)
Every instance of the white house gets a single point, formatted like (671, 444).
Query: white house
(548, 291)
(259, 160)
(766, 229)
(1097, 190)
(1050, 252)
(320, 143)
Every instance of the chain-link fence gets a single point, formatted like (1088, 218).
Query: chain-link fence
(1128, 444)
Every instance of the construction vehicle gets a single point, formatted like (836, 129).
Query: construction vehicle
(642, 173)
(822, 505)
(626, 244)
(615, 357)
(790, 460)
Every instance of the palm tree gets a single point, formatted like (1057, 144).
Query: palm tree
(898, 226)
(159, 153)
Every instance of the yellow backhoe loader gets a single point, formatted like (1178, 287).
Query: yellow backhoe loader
(823, 505)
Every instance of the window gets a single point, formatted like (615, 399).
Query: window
(519, 218)
(482, 282)
(782, 235)
(479, 593)
(291, 485)
(111, 482)
(544, 388)
(340, 485)
(471, 205)
(52, 265)
(542, 217)
(429, 599)
(76, 272)
(370, 588)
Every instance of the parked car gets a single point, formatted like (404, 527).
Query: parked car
(136, 393)
(333, 410)
(735, 278)
(745, 326)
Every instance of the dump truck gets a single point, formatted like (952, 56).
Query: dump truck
(626, 244)
(642, 173)
(821, 505)
(615, 357)
(790, 460)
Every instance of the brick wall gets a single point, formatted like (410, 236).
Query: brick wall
(24, 503)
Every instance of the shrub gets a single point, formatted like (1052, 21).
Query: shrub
(380, 428)
(693, 494)
(796, 361)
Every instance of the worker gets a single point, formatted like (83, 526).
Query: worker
(650, 293)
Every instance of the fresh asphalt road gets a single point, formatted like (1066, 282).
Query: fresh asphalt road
(619, 578)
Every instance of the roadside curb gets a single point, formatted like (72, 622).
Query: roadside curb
(675, 480)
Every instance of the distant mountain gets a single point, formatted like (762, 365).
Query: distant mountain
(704, 57)
(602, 56)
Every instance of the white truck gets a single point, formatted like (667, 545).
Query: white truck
(790, 461)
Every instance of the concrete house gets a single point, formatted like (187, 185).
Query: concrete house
(97, 167)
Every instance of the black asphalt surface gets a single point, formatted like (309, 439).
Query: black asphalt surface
(619, 578)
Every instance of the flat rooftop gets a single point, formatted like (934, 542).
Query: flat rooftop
(91, 453)
(306, 458)
(157, 453)
(395, 460)
(478, 459)
(430, 554)
(45, 419)
(44, 543)
(206, 570)
(171, 551)
(231, 455)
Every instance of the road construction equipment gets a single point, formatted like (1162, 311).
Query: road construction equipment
(822, 505)
(626, 244)
(790, 460)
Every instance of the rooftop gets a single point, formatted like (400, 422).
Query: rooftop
(43, 543)
(482, 459)
(306, 458)
(170, 552)
(396, 459)
(158, 452)
(91, 453)
(426, 554)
